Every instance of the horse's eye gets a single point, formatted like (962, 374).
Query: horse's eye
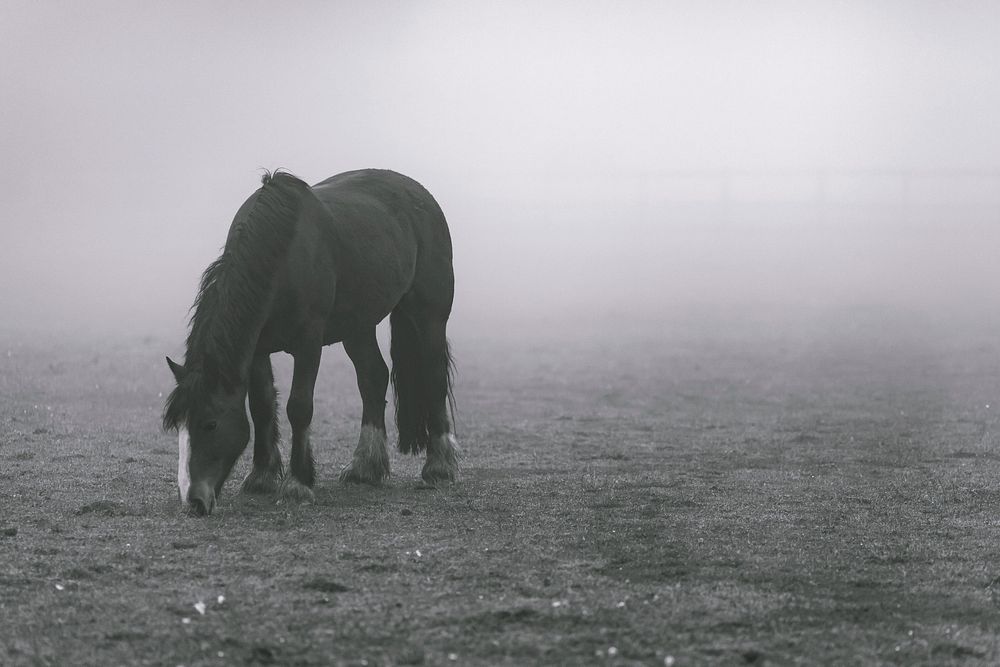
(210, 426)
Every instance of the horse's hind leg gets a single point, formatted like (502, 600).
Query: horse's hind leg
(266, 473)
(442, 456)
(370, 464)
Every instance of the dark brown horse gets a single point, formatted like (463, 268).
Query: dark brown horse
(305, 267)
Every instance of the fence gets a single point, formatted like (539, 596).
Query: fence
(910, 196)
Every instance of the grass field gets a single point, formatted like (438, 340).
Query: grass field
(808, 487)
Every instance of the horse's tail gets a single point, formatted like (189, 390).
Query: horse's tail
(420, 365)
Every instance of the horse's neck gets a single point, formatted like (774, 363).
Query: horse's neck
(229, 338)
(237, 289)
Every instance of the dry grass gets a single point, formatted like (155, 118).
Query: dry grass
(707, 496)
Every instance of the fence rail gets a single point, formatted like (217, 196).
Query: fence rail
(909, 187)
(905, 195)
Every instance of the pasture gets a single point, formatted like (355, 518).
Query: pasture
(773, 487)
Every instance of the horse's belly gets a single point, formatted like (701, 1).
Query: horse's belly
(360, 309)
(371, 279)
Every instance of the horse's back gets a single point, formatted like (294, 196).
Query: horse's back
(393, 241)
(396, 194)
(364, 197)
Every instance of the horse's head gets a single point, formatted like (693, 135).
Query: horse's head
(210, 417)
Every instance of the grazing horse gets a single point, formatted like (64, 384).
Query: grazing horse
(304, 267)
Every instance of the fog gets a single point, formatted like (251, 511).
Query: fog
(602, 165)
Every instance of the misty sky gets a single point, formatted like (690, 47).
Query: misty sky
(131, 132)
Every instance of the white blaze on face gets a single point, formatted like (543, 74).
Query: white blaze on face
(183, 462)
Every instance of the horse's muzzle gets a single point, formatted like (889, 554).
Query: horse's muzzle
(201, 500)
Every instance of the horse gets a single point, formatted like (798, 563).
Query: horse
(304, 267)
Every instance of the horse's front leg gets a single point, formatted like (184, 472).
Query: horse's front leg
(297, 485)
(267, 469)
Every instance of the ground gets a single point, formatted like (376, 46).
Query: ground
(817, 486)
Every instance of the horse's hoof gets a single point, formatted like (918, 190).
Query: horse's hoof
(294, 491)
(442, 461)
(438, 474)
(370, 464)
(261, 481)
(356, 473)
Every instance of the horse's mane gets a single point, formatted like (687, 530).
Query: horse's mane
(234, 290)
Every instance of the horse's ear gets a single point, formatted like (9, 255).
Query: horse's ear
(179, 371)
